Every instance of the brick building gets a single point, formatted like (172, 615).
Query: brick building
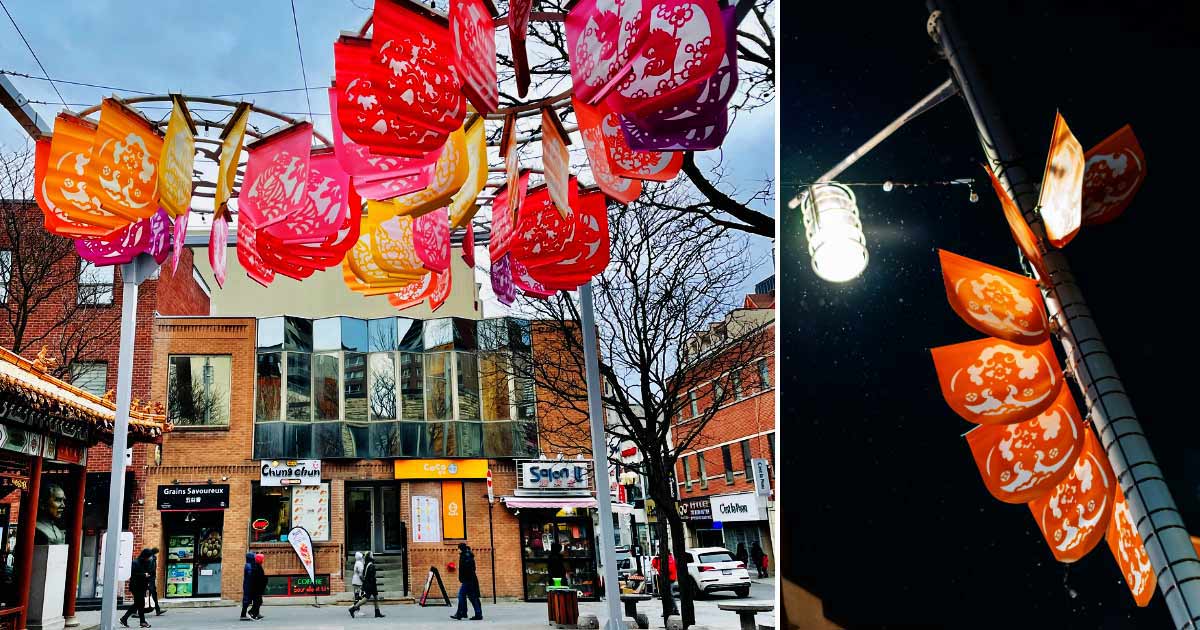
(85, 344)
(716, 478)
(400, 421)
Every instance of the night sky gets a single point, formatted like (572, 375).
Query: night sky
(888, 519)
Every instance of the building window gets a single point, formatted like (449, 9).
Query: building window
(764, 374)
(736, 377)
(354, 380)
(727, 459)
(718, 394)
(95, 284)
(703, 470)
(746, 457)
(468, 386)
(5, 273)
(693, 403)
(269, 381)
(523, 389)
(412, 387)
(326, 387)
(383, 385)
(687, 473)
(198, 389)
(285, 507)
(494, 383)
(299, 386)
(90, 376)
(771, 449)
(437, 384)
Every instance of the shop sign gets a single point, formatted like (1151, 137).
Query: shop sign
(651, 511)
(454, 523)
(555, 477)
(441, 468)
(426, 514)
(730, 508)
(195, 497)
(762, 477)
(290, 472)
(697, 509)
(15, 411)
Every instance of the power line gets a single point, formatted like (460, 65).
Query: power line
(35, 57)
(303, 89)
(52, 81)
(303, 72)
(193, 109)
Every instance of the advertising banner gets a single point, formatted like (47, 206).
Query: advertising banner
(302, 544)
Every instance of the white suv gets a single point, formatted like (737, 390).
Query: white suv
(714, 569)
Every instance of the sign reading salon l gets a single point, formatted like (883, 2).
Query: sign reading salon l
(291, 472)
(555, 477)
(744, 506)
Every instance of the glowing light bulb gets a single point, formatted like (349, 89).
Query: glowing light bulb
(835, 237)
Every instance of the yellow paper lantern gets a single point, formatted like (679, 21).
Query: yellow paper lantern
(449, 175)
(175, 163)
(462, 205)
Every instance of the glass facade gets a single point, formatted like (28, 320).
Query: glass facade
(342, 387)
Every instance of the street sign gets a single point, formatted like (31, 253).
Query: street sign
(762, 476)
(491, 493)
(651, 511)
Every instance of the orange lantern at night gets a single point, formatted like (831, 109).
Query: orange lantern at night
(1129, 551)
(994, 301)
(1022, 461)
(1026, 240)
(1115, 171)
(992, 381)
(1061, 199)
(1074, 515)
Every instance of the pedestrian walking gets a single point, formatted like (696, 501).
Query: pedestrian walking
(470, 584)
(153, 582)
(247, 584)
(760, 559)
(356, 579)
(742, 555)
(258, 586)
(370, 586)
(138, 580)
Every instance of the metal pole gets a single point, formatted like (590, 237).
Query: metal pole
(492, 536)
(612, 591)
(1158, 520)
(132, 275)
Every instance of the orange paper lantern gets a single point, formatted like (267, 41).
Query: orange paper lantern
(1026, 240)
(1129, 551)
(1115, 171)
(1022, 461)
(123, 172)
(992, 381)
(1061, 197)
(1074, 515)
(68, 205)
(994, 301)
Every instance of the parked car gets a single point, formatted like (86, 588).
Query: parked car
(625, 563)
(712, 569)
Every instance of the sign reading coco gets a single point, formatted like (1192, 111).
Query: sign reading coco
(291, 472)
(556, 476)
(441, 468)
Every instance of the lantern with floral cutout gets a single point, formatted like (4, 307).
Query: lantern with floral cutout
(68, 205)
(379, 177)
(472, 24)
(276, 181)
(463, 204)
(415, 59)
(123, 171)
(178, 157)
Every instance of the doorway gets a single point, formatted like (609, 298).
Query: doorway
(373, 519)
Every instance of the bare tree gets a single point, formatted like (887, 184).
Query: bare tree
(672, 279)
(44, 303)
(550, 73)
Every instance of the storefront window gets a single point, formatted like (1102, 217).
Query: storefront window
(198, 390)
(299, 398)
(274, 511)
(325, 387)
(267, 392)
(383, 385)
(412, 386)
(468, 386)
(541, 532)
(355, 386)
(437, 386)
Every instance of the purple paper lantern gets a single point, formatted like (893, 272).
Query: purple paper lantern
(696, 125)
(502, 281)
(151, 235)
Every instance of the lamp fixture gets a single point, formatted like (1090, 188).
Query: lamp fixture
(835, 236)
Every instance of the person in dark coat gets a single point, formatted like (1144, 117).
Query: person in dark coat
(139, 578)
(760, 559)
(741, 555)
(555, 565)
(247, 584)
(152, 586)
(258, 586)
(370, 586)
(470, 584)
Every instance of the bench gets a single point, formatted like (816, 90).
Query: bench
(630, 600)
(747, 610)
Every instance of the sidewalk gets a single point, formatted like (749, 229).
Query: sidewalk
(502, 616)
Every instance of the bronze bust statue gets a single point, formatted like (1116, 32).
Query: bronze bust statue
(50, 510)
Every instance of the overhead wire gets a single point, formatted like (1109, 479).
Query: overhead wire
(303, 72)
(35, 57)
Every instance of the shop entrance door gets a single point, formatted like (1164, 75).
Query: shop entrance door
(373, 519)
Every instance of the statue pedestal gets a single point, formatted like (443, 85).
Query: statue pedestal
(47, 587)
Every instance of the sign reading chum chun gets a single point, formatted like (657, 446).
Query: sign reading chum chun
(294, 472)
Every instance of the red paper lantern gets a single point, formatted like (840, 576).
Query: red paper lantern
(472, 22)
(326, 204)
(379, 177)
(502, 219)
(431, 239)
(415, 59)
(276, 180)
(659, 166)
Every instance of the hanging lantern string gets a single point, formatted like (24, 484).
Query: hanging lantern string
(35, 57)
(890, 184)
(300, 51)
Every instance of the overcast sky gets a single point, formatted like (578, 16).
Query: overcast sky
(222, 47)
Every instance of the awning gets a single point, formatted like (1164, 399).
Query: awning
(553, 503)
(622, 508)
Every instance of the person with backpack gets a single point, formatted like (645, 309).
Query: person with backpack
(470, 584)
(370, 586)
(153, 583)
(139, 578)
